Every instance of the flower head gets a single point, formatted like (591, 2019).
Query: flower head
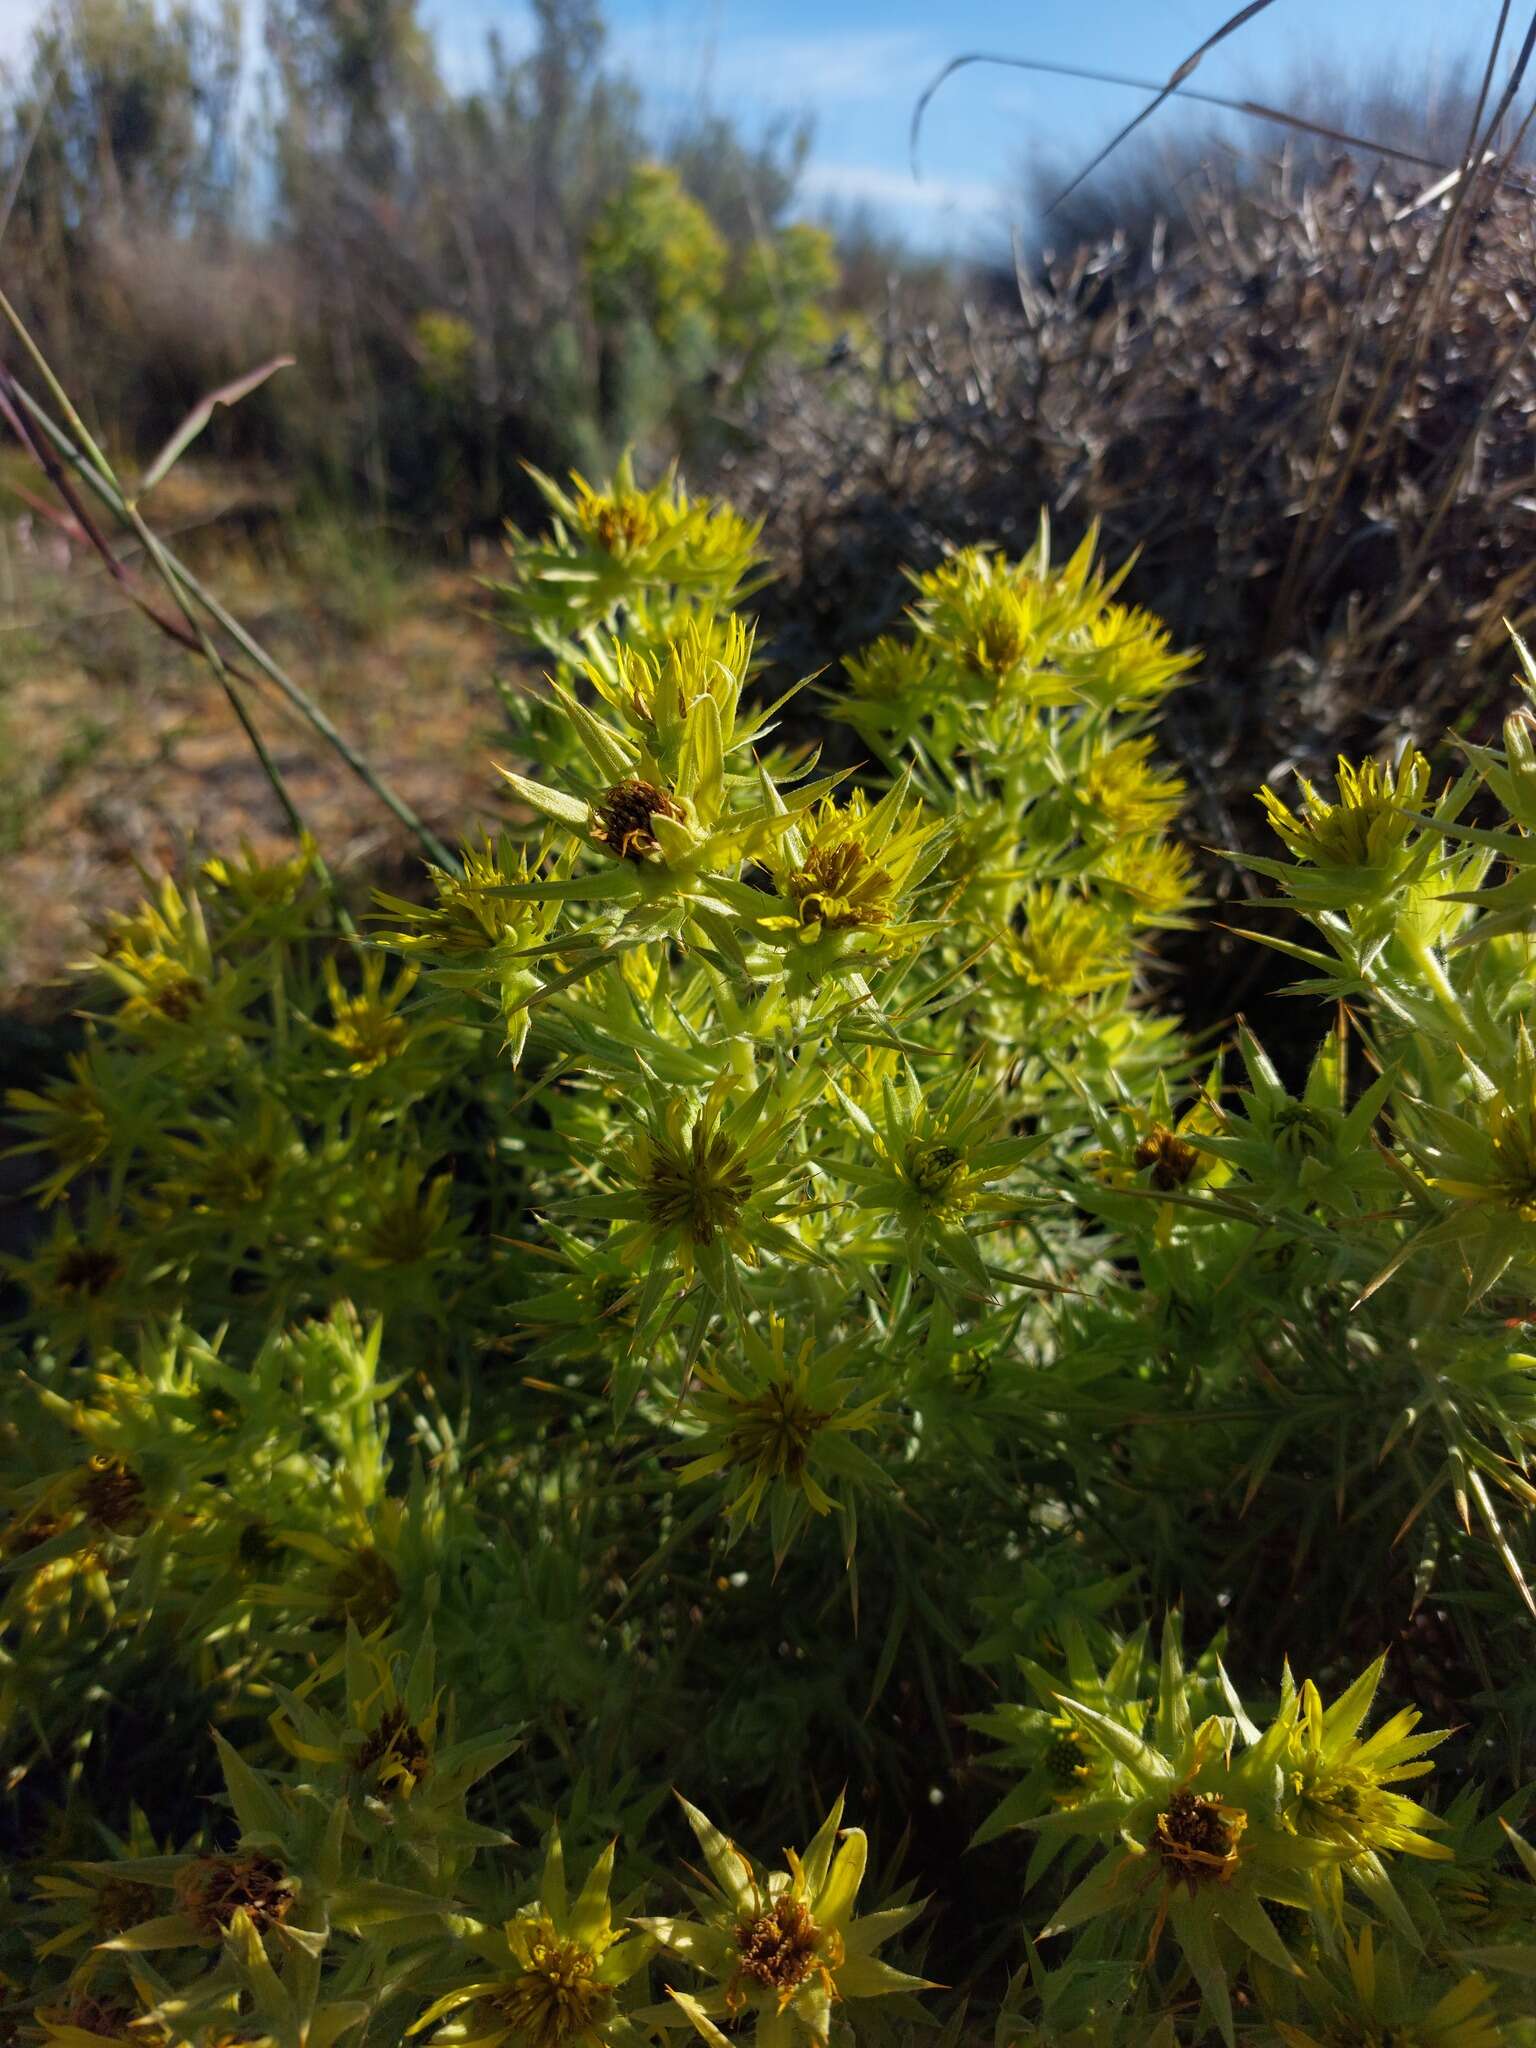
(387, 1754)
(367, 1029)
(110, 1494)
(626, 815)
(1154, 878)
(252, 897)
(1196, 1838)
(1211, 1824)
(1391, 1998)
(1365, 828)
(847, 875)
(652, 550)
(1364, 855)
(1341, 1780)
(211, 1890)
(700, 1179)
(1125, 794)
(555, 1973)
(782, 1945)
(696, 1183)
(483, 931)
(775, 1429)
(1069, 945)
(85, 2019)
(938, 1154)
(71, 1119)
(92, 1904)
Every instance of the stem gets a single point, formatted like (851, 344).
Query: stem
(1427, 961)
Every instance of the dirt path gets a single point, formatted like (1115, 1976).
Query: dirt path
(118, 752)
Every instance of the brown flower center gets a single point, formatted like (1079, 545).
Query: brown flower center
(88, 1269)
(100, 2016)
(774, 1433)
(111, 1494)
(212, 1889)
(1171, 1158)
(623, 524)
(28, 1532)
(364, 1591)
(1197, 1838)
(178, 998)
(624, 818)
(840, 888)
(778, 1948)
(701, 1190)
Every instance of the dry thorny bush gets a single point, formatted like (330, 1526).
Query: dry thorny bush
(1308, 412)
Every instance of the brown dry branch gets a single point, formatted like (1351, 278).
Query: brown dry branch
(1343, 538)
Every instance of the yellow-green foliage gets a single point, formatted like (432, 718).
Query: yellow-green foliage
(656, 259)
(655, 255)
(742, 1287)
(445, 348)
(776, 301)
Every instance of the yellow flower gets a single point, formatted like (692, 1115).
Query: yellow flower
(1125, 791)
(1375, 2006)
(1156, 875)
(653, 551)
(697, 1181)
(1069, 945)
(1340, 1779)
(161, 962)
(890, 671)
(387, 1740)
(777, 1428)
(557, 1970)
(852, 863)
(846, 876)
(1365, 828)
(69, 1118)
(784, 1945)
(368, 1030)
(472, 912)
(1123, 656)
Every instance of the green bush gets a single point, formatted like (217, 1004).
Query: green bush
(465, 274)
(744, 1289)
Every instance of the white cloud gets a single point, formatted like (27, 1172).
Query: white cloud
(842, 68)
(898, 191)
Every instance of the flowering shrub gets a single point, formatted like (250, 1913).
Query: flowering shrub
(746, 1289)
(681, 318)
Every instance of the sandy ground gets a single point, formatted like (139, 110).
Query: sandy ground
(119, 752)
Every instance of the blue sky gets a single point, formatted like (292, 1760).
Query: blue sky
(857, 66)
